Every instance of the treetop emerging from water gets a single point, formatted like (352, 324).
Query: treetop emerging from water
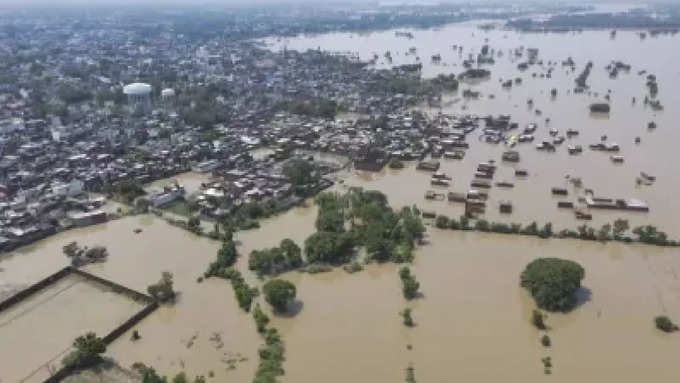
(553, 282)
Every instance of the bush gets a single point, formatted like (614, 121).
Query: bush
(553, 282)
(406, 316)
(278, 293)
(396, 164)
(537, 319)
(261, 319)
(409, 285)
(545, 340)
(442, 222)
(665, 324)
(163, 290)
(88, 350)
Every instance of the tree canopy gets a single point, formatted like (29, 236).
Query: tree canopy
(553, 282)
(88, 350)
(278, 293)
(276, 260)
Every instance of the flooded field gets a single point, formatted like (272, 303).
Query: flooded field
(531, 196)
(174, 338)
(37, 332)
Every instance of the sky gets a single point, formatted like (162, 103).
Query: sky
(29, 3)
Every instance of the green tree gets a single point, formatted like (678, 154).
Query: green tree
(665, 324)
(88, 350)
(604, 233)
(261, 319)
(278, 293)
(407, 318)
(538, 319)
(553, 282)
(409, 284)
(299, 171)
(163, 290)
(620, 227)
(328, 247)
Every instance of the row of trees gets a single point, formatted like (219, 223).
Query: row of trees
(222, 267)
(615, 231)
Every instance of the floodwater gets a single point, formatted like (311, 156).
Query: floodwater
(531, 197)
(473, 319)
(199, 334)
(37, 333)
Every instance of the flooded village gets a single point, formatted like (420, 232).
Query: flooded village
(152, 153)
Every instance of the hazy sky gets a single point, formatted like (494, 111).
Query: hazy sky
(24, 3)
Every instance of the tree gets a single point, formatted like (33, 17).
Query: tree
(604, 233)
(72, 250)
(299, 171)
(226, 257)
(620, 227)
(163, 290)
(538, 320)
(142, 205)
(194, 224)
(88, 350)
(553, 282)
(278, 293)
(327, 247)
(409, 285)
(665, 324)
(442, 222)
(261, 319)
(407, 318)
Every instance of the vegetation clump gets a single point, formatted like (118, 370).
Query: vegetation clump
(87, 353)
(286, 257)
(279, 293)
(353, 267)
(553, 282)
(149, 375)
(409, 284)
(407, 318)
(665, 324)
(261, 319)
(396, 163)
(84, 255)
(163, 290)
(226, 257)
(545, 341)
(538, 320)
(126, 191)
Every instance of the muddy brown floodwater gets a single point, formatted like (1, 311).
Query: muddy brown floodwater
(473, 320)
(531, 196)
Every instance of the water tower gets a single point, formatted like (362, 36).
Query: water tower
(138, 95)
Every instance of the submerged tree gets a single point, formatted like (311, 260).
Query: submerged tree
(278, 293)
(163, 290)
(553, 282)
(409, 285)
(88, 350)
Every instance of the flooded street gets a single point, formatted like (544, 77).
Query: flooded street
(473, 322)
